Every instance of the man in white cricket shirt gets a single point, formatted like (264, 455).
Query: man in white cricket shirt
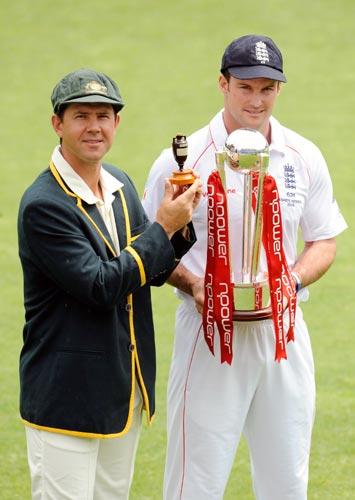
(272, 403)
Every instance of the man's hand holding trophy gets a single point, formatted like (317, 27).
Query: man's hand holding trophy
(182, 193)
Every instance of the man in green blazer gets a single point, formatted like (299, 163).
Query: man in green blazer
(89, 256)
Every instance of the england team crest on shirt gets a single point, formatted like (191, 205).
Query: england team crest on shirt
(289, 176)
(290, 184)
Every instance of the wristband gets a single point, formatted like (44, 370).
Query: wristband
(297, 280)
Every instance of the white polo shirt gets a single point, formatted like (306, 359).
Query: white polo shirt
(303, 182)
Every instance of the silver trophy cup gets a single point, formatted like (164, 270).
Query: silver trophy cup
(246, 151)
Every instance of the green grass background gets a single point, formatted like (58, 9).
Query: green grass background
(165, 56)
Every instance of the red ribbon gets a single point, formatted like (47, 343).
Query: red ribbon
(218, 305)
(280, 280)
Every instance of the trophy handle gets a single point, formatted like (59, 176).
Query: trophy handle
(181, 177)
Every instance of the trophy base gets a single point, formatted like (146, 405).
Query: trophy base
(182, 177)
(256, 315)
(252, 301)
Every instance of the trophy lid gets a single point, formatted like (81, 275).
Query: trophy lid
(247, 149)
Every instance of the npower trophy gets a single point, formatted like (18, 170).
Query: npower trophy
(250, 293)
(246, 151)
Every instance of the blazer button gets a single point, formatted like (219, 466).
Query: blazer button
(128, 307)
(131, 347)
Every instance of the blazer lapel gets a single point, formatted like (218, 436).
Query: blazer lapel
(96, 217)
(120, 220)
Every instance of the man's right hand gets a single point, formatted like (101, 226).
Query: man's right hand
(198, 293)
(175, 211)
(186, 281)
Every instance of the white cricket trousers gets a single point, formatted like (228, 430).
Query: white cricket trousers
(65, 467)
(210, 405)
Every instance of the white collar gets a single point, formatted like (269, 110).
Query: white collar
(109, 183)
(277, 136)
(218, 131)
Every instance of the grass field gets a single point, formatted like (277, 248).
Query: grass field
(165, 56)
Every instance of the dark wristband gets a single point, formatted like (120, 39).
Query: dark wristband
(297, 280)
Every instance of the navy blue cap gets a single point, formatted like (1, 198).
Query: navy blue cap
(253, 56)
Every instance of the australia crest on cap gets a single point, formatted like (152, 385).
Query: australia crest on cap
(94, 87)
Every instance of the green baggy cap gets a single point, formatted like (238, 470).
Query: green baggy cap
(86, 85)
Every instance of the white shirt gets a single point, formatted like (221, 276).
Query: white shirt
(303, 181)
(108, 183)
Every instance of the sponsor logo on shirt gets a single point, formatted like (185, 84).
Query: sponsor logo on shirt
(228, 191)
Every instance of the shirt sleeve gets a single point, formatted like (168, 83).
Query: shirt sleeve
(321, 217)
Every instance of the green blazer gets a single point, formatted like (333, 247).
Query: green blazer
(88, 331)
